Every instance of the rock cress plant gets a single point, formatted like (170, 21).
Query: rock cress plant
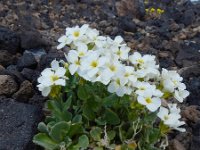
(107, 97)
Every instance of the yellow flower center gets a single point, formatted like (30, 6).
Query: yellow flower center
(77, 63)
(166, 117)
(118, 81)
(127, 74)
(140, 61)
(148, 100)
(81, 54)
(94, 64)
(54, 78)
(76, 33)
(119, 52)
(142, 88)
(112, 68)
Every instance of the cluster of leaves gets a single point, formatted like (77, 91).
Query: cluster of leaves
(84, 115)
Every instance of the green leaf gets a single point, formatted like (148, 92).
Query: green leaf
(66, 116)
(96, 133)
(77, 119)
(83, 141)
(45, 141)
(75, 129)
(42, 127)
(110, 100)
(88, 112)
(111, 117)
(59, 131)
(82, 93)
(67, 104)
(111, 134)
(154, 135)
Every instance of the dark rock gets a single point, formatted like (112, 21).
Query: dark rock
(176, 145)
(27, 61)
(189, 54)
(195, 144)
(6, 58)
(25, 92)
(46, 59)
(18, 123)
(37, 53)
(30, 74)
(31, 40)
(7, 85)
(127, 24)
(188, 17)
(191, 114)
(13, 71)
(9, 40)
(190, 71)
(133, 8)
(38, 100)
(193, 85)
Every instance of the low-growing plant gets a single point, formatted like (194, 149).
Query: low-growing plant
(154, 13)
(107, 97)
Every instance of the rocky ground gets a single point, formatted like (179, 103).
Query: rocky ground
(28, 36)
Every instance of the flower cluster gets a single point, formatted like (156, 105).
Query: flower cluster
(109, 61)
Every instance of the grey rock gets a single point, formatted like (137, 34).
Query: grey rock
(32, 39)
(126, 24)
(27, 61)
(37, 53)
(193, 85)
(8, 86)
(9, 40)
(195, 144)
(18, 123)
(189, 52)
(188, 17)
(30, 74)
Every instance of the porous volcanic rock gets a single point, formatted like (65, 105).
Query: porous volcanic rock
(7, 85)
(18, 123)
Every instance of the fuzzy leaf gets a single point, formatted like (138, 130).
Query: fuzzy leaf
(42, 127)
(59, 131)
(45, 141)
(96, 133)
(111, 117)
(83, 141)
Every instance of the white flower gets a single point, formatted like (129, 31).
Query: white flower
(171, 117)
(142, 87)
(181, 95)
(82, 49)
(51, 76)
(152, 103)
(145, 65)
(129, 74)
(171, 80)
(63, 40)
(121, 52)
(92, 64)
(117, 86)
(74, 61)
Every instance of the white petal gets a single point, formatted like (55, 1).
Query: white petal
(60, 82)
(73, 68)
(54, 64)
(61, 45)
(46, 91)
(47, 72)
(92, 72)
(60, 72)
